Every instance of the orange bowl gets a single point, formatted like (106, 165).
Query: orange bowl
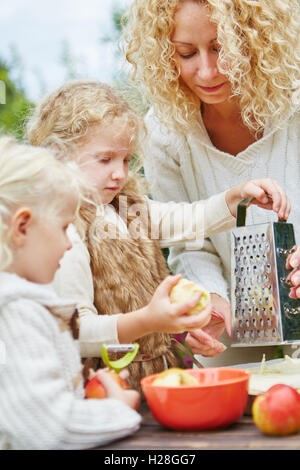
(219, 399)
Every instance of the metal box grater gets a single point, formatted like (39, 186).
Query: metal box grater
(262, 311)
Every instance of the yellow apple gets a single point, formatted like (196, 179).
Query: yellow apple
(175, 377)
(184, 290)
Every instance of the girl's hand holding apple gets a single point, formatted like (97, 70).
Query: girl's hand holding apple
(168, 317)
(161, 315)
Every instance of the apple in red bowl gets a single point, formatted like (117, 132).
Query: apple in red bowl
(218, 399)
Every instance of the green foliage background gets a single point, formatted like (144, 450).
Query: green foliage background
(16, 107)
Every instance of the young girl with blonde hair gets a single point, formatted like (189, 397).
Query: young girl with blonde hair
(42, 403)
(121, 264)
(223, 81)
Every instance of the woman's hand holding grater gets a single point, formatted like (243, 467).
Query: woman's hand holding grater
(293, 262)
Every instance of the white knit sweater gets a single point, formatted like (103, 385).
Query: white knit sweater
(189, 168)
(42, 403)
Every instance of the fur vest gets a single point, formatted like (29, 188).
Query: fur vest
(126, 272)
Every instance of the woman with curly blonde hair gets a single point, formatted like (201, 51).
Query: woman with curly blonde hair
(223, 80)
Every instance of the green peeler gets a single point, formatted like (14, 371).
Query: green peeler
(131, 351)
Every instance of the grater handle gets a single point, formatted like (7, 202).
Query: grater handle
(242, 211)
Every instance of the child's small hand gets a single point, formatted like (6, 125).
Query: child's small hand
(260, 189)
(167, 317)
(114, 390)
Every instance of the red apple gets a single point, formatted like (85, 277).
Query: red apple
(277, 411)
(95, 389)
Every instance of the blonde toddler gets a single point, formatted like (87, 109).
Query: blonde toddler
(42, 403)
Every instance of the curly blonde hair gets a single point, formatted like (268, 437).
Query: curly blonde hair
(260, 39)
(65, 116)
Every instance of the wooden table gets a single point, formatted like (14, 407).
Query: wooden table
(242, 435)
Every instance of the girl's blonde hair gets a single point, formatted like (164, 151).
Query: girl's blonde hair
(260, 55)
(65, 116)
(31, 177)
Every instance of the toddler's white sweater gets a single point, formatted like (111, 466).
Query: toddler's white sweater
(42, 403)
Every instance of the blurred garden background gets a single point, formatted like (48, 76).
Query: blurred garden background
(45, 44)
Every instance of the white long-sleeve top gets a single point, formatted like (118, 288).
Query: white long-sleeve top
(42, 403)
(171, 223)
(190, 168)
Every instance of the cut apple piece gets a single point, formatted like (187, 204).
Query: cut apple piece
(175, 377)
(184, 290)
(168, 381)
(188, 379)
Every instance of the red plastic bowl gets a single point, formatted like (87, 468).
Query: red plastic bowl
(219, 400)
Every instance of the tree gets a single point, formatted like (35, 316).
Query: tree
(121, 81)
(14, 105)
(75, 66)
